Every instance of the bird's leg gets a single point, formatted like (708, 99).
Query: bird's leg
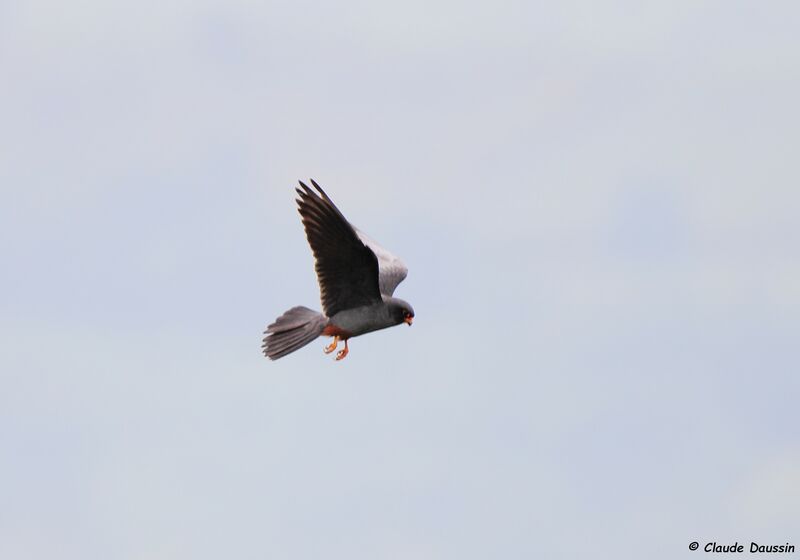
(342, 353)
(332, 346)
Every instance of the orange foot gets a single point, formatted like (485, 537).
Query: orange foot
(332, 346)
(342, 353)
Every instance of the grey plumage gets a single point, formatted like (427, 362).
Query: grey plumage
(357, 279)
(391, 270)
(291, 331)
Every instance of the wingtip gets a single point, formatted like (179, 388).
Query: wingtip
(304, 193)
(316, 186)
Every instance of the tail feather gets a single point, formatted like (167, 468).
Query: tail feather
(291, 331)
(287, 341)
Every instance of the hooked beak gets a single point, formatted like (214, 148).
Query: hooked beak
(408, 320)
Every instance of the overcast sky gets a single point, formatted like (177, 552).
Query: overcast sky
(599, 205)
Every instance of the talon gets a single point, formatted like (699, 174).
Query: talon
(332, 346)
(342, 353)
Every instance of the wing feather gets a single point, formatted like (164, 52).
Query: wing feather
(391, 270)
(347, 270)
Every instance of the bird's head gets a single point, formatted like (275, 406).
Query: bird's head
(401, 311)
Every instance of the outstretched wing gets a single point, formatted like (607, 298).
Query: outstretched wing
(347, 270)
(391, 270)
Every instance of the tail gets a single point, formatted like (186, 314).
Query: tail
(291, 331)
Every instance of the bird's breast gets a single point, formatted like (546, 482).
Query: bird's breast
(361, 320)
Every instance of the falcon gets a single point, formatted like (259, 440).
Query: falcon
(356, 276)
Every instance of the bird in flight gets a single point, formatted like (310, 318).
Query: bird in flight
(356, 276)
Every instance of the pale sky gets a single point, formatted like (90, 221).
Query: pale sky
(598, 203)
